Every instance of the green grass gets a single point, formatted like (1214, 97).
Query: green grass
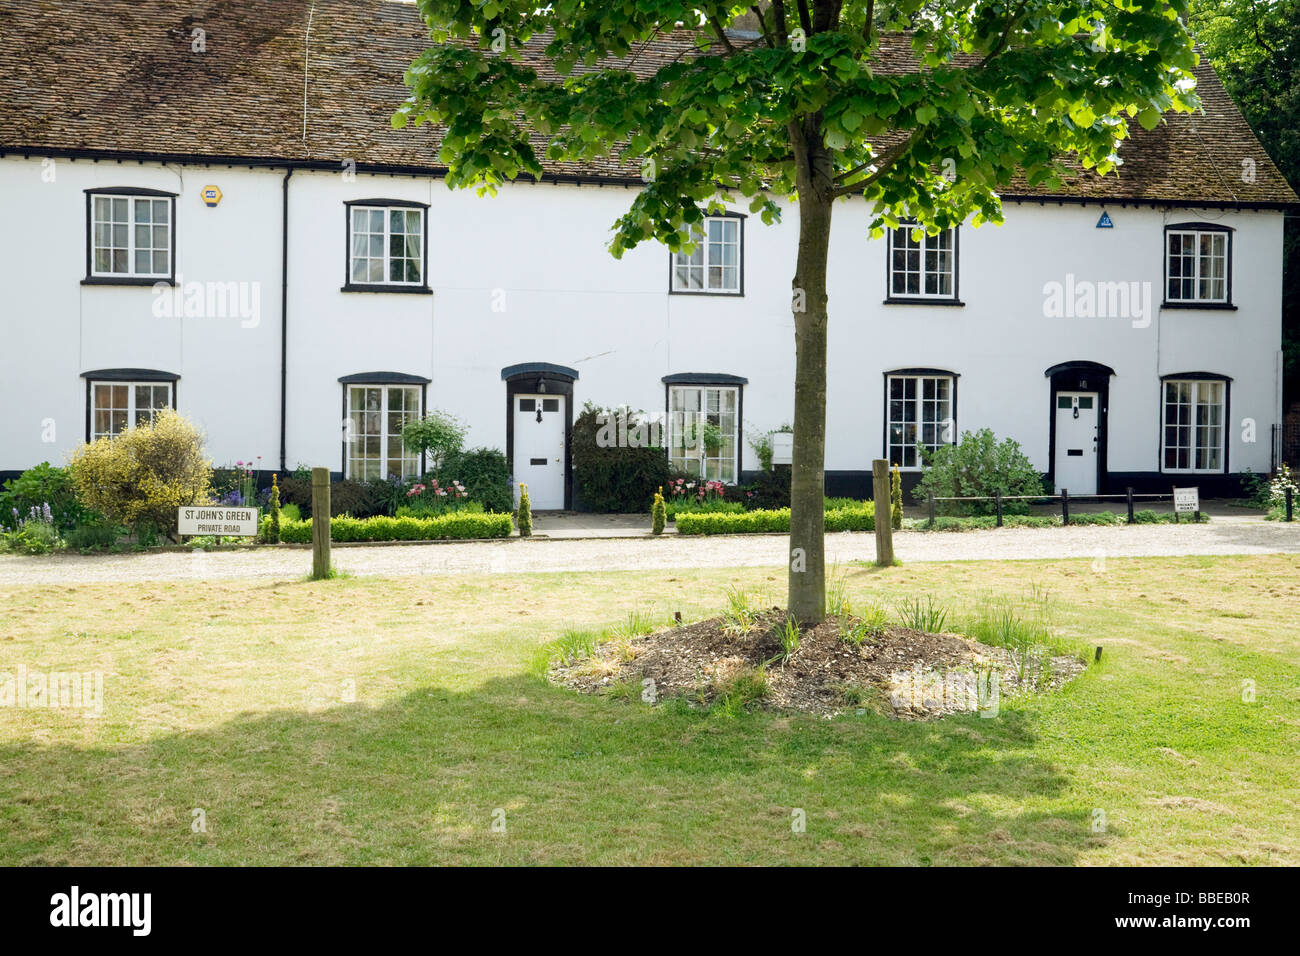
(367, 720)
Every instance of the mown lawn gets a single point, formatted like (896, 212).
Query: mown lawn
(385, 721)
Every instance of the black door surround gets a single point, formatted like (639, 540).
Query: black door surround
(1080, 376)
(547, 379)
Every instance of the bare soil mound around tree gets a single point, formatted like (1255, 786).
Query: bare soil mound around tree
(842, 664)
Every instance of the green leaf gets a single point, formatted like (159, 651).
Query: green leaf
(1083, 115)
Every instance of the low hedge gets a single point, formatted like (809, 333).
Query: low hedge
(382, 528)
(858, 517)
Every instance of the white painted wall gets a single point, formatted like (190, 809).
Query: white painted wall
(541, 250)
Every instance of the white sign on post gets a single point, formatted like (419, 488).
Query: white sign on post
(232, 522)
(1187, 500)
(782, 448)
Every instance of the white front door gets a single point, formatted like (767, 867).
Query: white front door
(1076, 442)
(539, 449)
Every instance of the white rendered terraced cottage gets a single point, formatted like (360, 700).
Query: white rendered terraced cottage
(225, 222)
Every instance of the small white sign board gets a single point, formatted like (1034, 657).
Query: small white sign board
(1187, 500)
(215, 519)
(782, 448)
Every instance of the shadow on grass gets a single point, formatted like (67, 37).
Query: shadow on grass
(579, 780)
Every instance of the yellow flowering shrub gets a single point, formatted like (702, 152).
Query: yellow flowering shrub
(144, 474)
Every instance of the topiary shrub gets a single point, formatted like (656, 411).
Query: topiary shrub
(614, 478)
(140, 477)
(525, 520)
(896, 499)
(658, 513)
(979, 465)
(274, 536)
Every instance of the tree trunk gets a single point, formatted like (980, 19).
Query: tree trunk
(807, 602)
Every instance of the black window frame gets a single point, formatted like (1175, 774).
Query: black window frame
(421, 288)
(915, 372)
(1165, 301)
(380, 380)
(140, 192)
(707, 380)
(739, 292)
(1224, 427)
(939, 300)
(126, 376)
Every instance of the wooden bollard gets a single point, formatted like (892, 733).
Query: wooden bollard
(884, 527)
(320, 523)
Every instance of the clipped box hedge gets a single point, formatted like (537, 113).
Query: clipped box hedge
(383, 528)
(858, 517)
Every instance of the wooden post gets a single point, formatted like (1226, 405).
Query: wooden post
(320, 523)
(1065, 505)
(1173, 494)
(998, 497)
(884, 526)
(1129, 493)
(1289, 513)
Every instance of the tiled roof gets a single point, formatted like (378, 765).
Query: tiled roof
(304, 81)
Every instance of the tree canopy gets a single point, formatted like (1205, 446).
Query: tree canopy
(926, 109)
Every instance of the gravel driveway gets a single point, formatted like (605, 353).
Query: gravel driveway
(647, 553)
